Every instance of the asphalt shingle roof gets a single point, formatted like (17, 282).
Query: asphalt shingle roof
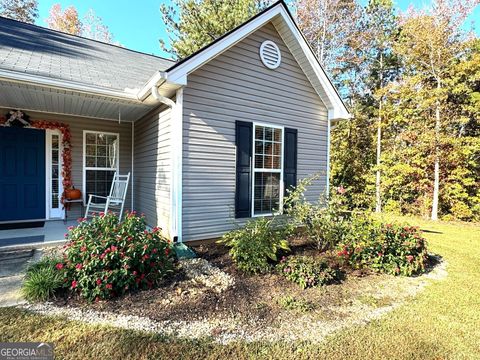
(36, 50)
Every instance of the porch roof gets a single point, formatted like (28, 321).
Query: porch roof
(34, 50)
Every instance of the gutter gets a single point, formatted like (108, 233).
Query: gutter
(39, 80)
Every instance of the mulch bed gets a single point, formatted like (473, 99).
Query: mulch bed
(253, 298)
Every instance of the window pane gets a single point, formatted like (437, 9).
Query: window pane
(277, 149)
(101, 150)
(99, 182)
(269, 134)
(259, 132)
(267, 193)
(90, 138)
(101, 139)
(277, 135)
(90, 161)
(258, 147)
(90, 150)
(259, 161)
(276, 162)
(101, 161)
(268, 148)
(54, 141)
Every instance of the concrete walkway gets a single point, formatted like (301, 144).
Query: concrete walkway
(12, 270)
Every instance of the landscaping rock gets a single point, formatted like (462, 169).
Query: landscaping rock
(202, 272)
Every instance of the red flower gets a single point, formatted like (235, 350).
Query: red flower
(113, 248)
(99, 282)
(145, 247)
(154, 251)
(134, 273)
(74, 284)
(78, 266)
(409, 258)
(83, 249)
(341, 190)
(109, 286)
(380, 254)
(167, 250)
(59, 266)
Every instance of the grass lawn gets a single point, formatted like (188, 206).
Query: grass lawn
(442, 322)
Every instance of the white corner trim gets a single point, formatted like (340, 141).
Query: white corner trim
(176, 182)
(329, 128)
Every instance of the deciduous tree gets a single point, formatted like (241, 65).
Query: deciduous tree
(22, 10)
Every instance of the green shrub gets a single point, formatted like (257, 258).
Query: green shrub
(105, 258)
(325, 221)
(387, 248)
(307, 271)
(42, 280)
(253, 245)
(288, 302)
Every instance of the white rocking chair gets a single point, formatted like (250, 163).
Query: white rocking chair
(113, 202)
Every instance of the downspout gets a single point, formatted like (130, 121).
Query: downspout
(176, 159)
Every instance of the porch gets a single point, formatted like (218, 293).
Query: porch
(52, 232)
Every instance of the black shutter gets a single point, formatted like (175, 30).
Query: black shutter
(243, 189)
(290, 159)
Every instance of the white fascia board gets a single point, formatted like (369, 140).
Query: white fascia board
(182, 70)
(39, 80)
(178, 75)
(335, 105)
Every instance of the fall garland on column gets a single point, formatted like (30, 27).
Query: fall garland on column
(18, 118)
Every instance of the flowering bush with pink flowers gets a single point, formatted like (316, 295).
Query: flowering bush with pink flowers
(307, 271)
(387, 248)
(105, 258)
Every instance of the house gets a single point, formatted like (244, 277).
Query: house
(218, 135)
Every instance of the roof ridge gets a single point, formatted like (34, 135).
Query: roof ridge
(85, 38)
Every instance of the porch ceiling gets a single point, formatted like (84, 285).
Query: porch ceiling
(28, 97)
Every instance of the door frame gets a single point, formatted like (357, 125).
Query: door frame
(49, 212)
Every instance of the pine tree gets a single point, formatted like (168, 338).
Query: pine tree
(197, 23)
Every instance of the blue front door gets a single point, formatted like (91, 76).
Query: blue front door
(22, 174)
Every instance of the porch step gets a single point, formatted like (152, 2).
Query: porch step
(14, 262)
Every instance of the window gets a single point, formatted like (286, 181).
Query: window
(267, 169)
(55, 170)
(100, 162)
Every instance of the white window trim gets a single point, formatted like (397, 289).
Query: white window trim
(84, 155)
(48, 177)
(276, 171)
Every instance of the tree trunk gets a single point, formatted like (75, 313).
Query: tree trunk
(436, 176)
(378, 198)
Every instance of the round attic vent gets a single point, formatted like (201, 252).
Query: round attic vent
(270, 54)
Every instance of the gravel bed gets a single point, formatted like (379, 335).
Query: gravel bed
(289, 326)
(200, 271)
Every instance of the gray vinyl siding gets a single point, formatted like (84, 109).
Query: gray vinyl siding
(77, 126)
(152, 167)
(237, 86)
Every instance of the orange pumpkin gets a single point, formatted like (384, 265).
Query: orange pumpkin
(73, 194)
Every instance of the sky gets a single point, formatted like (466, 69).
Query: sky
(138, 25)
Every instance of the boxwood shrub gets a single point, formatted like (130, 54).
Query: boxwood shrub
(105, 258)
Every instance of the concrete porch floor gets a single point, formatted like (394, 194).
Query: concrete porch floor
(52, 232)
